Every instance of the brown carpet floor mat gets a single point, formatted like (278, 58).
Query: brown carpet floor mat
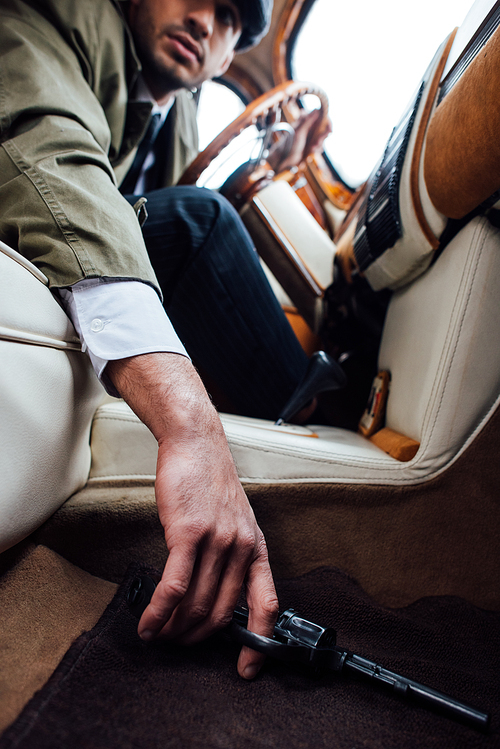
(113, 691)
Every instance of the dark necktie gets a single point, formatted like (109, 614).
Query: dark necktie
(130, 181)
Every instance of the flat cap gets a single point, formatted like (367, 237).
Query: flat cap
(256, 19)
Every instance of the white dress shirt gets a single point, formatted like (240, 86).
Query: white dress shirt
(118, 319)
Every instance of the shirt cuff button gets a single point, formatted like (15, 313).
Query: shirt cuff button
(96, 325)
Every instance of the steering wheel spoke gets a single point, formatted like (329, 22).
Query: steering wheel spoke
(267, 112)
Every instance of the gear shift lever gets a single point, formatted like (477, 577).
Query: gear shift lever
(323, 373)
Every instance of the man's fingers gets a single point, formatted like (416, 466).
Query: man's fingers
(194, 599)
(169, 592)
(263, 611)
(192, 612)
(221, 613)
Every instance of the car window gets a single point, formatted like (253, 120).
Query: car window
(218, 106)
(369, 58)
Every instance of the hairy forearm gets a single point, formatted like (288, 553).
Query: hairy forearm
(166, 393)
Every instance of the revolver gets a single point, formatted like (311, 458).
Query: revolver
(299, 641)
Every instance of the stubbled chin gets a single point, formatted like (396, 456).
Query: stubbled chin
(171, 75)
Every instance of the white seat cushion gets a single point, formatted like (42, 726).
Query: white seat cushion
(124, 449)
(441, 344)
(48, 397)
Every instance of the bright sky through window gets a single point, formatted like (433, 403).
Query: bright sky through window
(369, 58)
(218, 106)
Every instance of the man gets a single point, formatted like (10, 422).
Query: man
(66, 125)
(214, 289)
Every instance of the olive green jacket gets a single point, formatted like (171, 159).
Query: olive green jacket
(68, 134)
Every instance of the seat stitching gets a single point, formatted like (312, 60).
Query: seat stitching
(478, 246)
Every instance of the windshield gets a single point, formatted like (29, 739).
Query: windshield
(369, 58)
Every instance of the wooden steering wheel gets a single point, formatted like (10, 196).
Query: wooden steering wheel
(265, 110)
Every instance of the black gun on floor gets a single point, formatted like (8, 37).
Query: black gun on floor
(297, 640)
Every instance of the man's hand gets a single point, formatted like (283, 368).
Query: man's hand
(215, 545)
(309, 135)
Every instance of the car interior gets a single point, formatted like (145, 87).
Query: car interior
(402, 495)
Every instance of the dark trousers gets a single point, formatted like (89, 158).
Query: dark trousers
(219, 300)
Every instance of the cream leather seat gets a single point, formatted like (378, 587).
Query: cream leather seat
(441, 344)
(48, 397)
(402, 529)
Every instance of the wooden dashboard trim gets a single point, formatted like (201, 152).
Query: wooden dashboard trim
(419, 143)
(284, 31)
(237, 77)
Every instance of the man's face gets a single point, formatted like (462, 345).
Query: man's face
(182, 43)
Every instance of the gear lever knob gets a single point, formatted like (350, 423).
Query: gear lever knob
(323, 373)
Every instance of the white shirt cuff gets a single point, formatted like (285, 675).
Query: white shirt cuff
(118, 319)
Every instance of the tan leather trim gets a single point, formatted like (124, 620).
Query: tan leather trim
(394, 444)
(462, 157)
(419, 142)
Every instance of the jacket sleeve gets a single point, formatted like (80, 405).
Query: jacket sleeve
(59, 202)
